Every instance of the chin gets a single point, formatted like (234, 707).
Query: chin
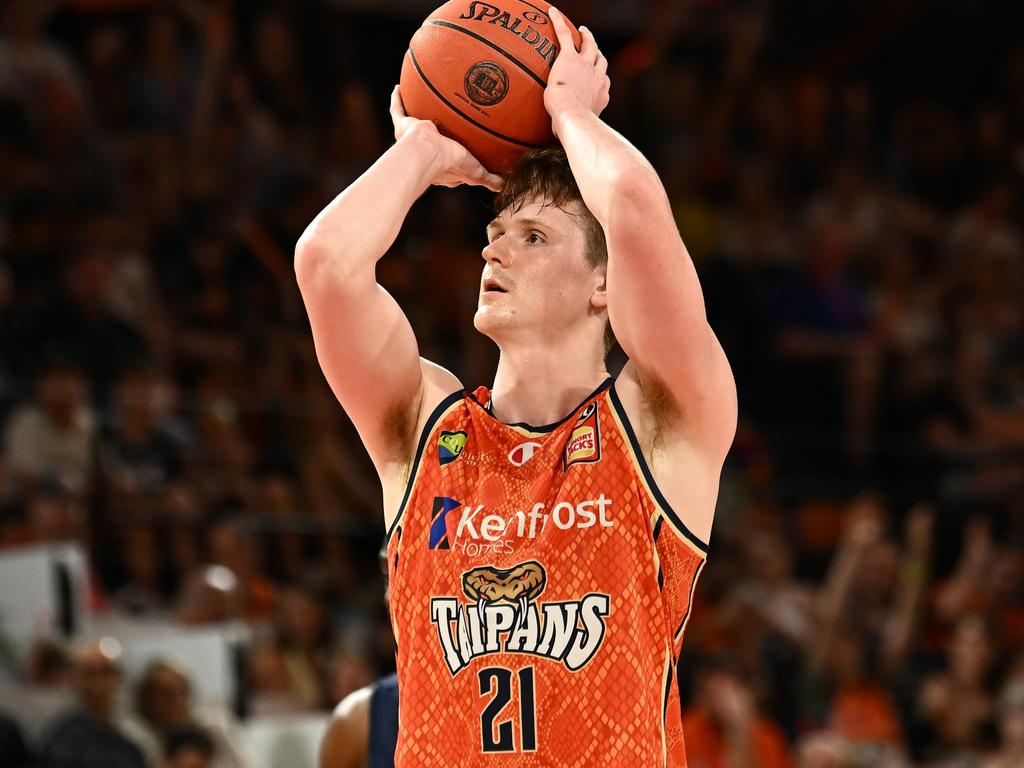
(491, 321)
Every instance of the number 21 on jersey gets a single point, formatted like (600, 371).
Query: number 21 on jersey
(497, 682)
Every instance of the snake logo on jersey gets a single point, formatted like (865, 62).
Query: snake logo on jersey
(506, 617)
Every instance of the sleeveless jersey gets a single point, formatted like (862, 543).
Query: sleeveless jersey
(540, 586)
(383, 723)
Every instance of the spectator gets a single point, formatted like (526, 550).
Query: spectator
(1011, 727)
(52, 437)
(188, 747)
(86, 737)
(957, 705)
(165, 712)
(723, 727)
(143, 447)
(290, 671)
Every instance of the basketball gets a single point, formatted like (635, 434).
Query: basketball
(478, 72)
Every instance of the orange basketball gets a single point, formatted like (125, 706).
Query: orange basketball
(478, 71)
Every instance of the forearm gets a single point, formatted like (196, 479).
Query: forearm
(602, 161)
(655, 299)
(351, 234)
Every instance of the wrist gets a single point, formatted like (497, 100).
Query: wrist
(564, 110)
(425, 150)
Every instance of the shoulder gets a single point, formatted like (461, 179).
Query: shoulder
(347, 739)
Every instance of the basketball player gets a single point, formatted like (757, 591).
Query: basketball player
(545, 535)
(363, 730)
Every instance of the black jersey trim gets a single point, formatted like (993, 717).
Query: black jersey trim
(689, 605)
(662, 502)
(547, 427)
(432, 421)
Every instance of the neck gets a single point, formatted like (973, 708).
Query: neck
(540, 384)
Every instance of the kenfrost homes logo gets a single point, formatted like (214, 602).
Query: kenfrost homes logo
(506, 617)
(479, 533)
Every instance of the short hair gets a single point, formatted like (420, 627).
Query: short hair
(545, 174)
(189, 737)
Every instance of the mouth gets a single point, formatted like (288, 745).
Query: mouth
(493, 286)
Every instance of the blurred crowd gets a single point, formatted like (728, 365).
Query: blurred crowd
(858, 237)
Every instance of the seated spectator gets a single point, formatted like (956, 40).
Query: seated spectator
(165, 713)
(146, 590)
(86, 736)
(1011, 728)
(142, 448)
(290, 671)
(189, 747)
(723, 728)
(53, 436)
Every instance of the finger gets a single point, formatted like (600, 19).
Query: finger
(601, 65)
(397, 107)
(588, 50)
(562, 31)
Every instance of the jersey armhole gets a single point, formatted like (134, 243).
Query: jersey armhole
(432, 421)
(647, 478)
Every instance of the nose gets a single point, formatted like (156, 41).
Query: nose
(493, 253)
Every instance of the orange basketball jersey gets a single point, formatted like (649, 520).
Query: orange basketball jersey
(539, 589)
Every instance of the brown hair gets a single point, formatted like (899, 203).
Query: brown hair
(545, 174)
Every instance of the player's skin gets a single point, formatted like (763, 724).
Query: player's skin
(549, 320)
(346, 743)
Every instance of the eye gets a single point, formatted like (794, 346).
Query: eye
(495, 236)
(535, 238)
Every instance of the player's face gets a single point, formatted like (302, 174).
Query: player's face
(536, 278)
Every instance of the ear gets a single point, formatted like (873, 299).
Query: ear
(599, 299)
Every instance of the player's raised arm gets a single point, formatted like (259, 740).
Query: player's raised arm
(655, 302)
(363, 340)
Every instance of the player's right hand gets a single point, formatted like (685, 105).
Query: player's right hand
(457, 165)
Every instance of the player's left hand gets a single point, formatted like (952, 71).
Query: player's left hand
(578, 79)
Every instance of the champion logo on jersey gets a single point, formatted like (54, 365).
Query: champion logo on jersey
(439, 522)
(522, 453)
(507, 617)
(450, 446)
(584, 444)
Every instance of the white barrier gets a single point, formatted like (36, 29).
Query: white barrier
(285, 741)
(42, 590)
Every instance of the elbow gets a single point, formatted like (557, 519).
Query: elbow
(639, 190)
(310, 256)
(637, 196)
(317, 262)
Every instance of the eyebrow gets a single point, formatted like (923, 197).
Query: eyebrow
(496, 224)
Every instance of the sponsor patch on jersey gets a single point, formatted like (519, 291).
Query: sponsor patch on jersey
(505, 616)
(584, 444)
(522, 453)
(450, 446)
(438, 538)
